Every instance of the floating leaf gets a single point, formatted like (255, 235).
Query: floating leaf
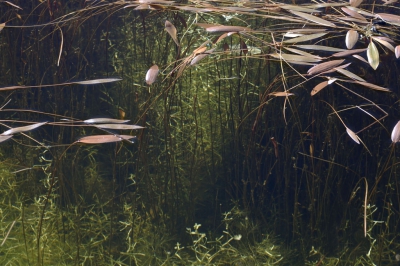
(320, 48)
(319, 87)
(394, 19)
(355, 3)
(314, 19)
(372, 86)
(151, 75)
(13, 88)
(2, 25)
(99, 139)
(305, 38)
(353, 13)
(295, 57)
(222, 28)
(353, 135)
(299, 8)
(281, 94)
(22, 129)
(397, 51)
(396, 133)
(170, 28)
(360, 58)
(4, 138)
(105, 120)
(349, 74)
(118, 126)
(351, 38)
(324, 67)
(384, 43)
(300, 52)
(349, 52)
(373, 55)
(200, 57)
(96, 81)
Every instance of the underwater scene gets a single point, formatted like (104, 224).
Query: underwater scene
(161, 132)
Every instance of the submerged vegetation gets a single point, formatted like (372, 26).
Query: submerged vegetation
(158, 132)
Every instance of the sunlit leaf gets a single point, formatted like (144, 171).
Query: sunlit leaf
(360, 58)
(105, 120)
(99, 139)
(13, 5)
(170, 28)
(351, 38)
(281, 94)
(222, 28)
(200, 57)
(295, 57)
(353, 135)
(96, 81)
(2, 25)
(314, 19)
(324, 66)
(16, 130)
(373, 55)
(319, 87)
(118, 126)
(4, 138)
(397, 51)
(320, 48)
(300, 52)
(396, 133)
(152, 74)
(305, 38)
(349, 74)
(384, 43)
(299, 8)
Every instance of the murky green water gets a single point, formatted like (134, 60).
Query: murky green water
(246, 144)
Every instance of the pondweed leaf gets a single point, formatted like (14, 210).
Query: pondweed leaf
(152, 74)
(353, 135)
(4, 138)
(295, 57)
(397, 51)
(95, 81)
(200, 57)
(349, 52)
(396, 133)
(384, 43)
(319, 87)
(22, 129)
(2, 25)
(355, 3)
(320, 48)
(281, 94)
(313, 18)
(100, 139)
(105, 120)
(372, 86)
(391, 18)
(351, 38)
(373, 55)
(118, 126)
(324, 67)
(170, 28)
(354, 14)
(349, 74)
(222, 28)
(305, 38)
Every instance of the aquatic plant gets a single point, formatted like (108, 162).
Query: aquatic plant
(258, 103)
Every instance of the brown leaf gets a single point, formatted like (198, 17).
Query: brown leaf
(222, 28)
(22, 129)
(372, 86)
(305, 38)
(353, 13)
(389, 18)
(170, 28)
(319, 87)
(99, 139)
(2, 25)
(349, 52)
(281, 94)
(324, 67)
(355, 3)
(152, 74)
